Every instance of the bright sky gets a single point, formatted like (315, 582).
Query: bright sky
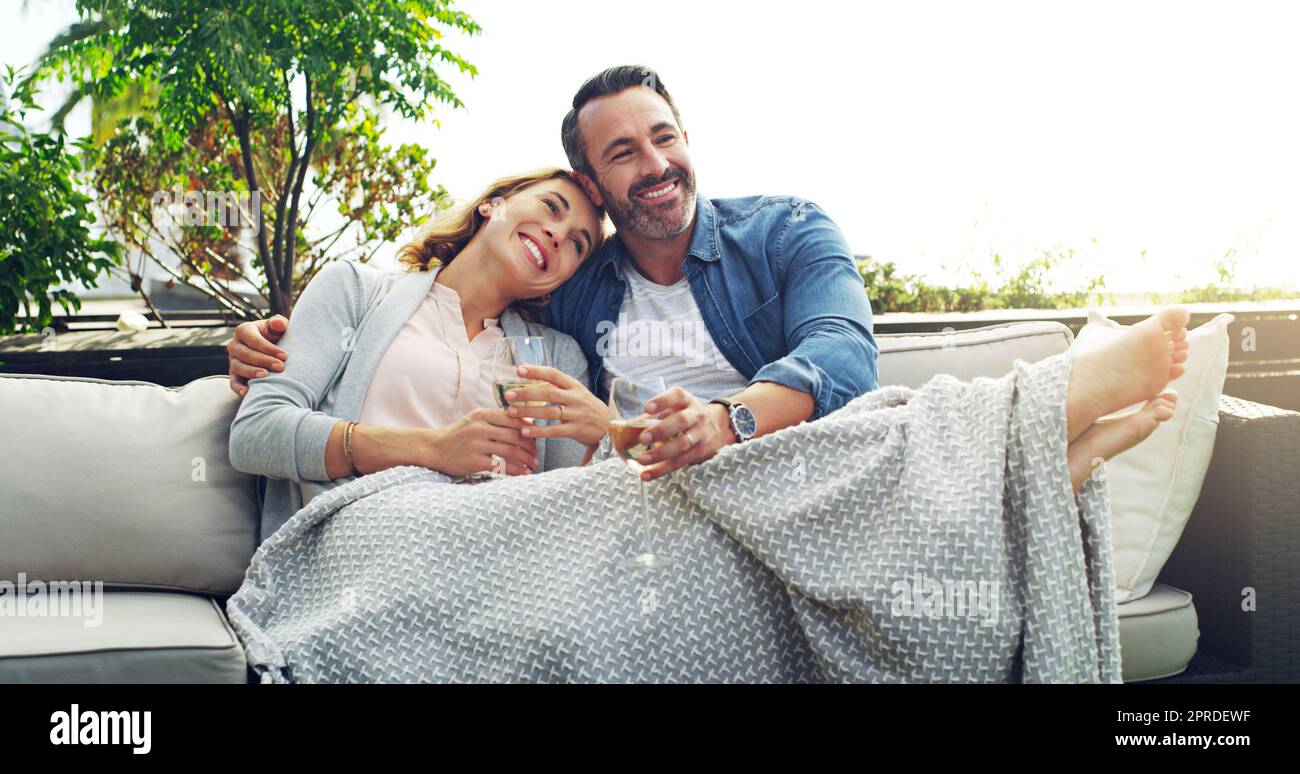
(935, 133)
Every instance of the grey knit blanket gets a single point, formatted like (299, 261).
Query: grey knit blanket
(923, 535)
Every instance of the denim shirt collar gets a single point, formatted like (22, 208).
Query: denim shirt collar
(703, 245)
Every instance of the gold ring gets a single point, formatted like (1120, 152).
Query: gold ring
(689, 438)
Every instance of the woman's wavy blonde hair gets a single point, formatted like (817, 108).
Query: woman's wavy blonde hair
(442, 238)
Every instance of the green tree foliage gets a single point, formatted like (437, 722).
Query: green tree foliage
(1027, 286)
(45, 218)
(252, 97)
(1222, 289)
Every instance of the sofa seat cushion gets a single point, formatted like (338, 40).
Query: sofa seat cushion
(143, 637)
(1157, 634)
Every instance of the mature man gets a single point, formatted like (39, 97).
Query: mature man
(750, 308)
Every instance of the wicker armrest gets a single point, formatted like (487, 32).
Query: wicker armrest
(1245, 534)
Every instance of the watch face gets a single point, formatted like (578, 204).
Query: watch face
(746, 424)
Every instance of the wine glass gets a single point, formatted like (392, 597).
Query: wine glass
(627, 420)
(510, 353)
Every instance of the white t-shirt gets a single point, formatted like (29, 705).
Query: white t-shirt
(660, 332)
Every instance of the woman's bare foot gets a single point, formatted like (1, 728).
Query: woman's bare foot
(1133, 366)
(1103, 441)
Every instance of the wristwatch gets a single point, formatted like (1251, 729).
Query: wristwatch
(743, 423)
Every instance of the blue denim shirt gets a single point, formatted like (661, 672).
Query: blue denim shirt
(778, 289)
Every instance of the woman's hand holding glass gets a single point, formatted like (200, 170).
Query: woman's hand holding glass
(577, 413)
(481, 441)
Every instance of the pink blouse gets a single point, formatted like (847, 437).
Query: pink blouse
(432, 374)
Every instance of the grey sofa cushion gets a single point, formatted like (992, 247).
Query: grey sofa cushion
(143, 637)
(127, 483)
(911, 359)
(1158, 634)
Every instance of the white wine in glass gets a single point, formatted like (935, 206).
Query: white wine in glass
(510, 353)
(624, 436)
(501, 386)
(627, 420)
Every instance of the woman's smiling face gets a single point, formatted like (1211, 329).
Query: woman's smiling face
(540, 234)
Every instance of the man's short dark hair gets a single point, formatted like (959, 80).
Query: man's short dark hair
(611, 81)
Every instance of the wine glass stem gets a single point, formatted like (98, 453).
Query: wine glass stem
(643, 538)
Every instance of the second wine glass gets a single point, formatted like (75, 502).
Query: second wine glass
(627, 420)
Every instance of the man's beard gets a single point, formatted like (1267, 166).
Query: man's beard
(649, 221)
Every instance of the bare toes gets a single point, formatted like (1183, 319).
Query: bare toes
(1164, 404)
(1173, 318)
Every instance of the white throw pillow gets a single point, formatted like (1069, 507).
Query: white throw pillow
(1154, 486)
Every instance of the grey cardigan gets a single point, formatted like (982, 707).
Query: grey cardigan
(342, 324)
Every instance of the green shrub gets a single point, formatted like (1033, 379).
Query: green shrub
(45, 219)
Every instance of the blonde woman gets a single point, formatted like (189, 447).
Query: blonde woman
(390, 368)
